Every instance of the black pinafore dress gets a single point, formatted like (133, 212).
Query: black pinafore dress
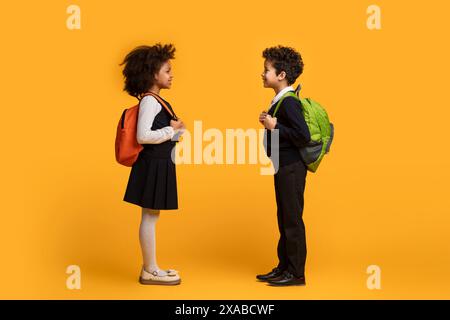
(152, 182)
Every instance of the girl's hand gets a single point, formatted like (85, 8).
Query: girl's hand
(179, 128)
(270, 122)
(177, 124)
(182, 129)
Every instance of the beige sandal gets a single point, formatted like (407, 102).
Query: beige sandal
(171, 272)
(153, 278)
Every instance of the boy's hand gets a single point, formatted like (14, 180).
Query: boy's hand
(270, 122)
(262, 116)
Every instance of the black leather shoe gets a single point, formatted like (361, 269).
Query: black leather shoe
(287, 279)
(271, 275)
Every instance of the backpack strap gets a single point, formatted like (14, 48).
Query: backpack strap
(161, 101)
(287, 94)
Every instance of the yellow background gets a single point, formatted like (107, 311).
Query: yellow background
(380, 197)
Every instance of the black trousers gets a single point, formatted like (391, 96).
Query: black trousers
(289, 189)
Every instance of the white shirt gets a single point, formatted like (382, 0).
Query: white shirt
(280, 94)
(148, 110)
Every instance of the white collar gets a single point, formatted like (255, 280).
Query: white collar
(280, 94)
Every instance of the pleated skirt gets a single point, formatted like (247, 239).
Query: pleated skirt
(152, 183)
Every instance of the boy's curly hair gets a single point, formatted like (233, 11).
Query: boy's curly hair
(141, 65)
(285, 59)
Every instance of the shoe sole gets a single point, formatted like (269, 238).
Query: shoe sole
(260, 280)
(286, 285)
(268, 279)
(160, 283)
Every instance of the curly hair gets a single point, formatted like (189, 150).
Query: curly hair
(285, 59)
(141, 65)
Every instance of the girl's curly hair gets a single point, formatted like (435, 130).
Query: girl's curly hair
(285, 59)
(141, 65)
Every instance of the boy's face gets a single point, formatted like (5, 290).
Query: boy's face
(270, 77)
(164, 76)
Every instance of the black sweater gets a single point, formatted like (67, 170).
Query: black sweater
(293, 131)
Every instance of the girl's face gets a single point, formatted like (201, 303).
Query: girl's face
(270, 77)
(163, 79)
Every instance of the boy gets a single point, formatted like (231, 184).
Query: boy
(282, 66)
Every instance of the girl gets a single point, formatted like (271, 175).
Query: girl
(152, 182)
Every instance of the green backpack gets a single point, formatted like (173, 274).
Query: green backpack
(320, 128)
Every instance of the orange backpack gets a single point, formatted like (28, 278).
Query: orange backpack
(127, 148)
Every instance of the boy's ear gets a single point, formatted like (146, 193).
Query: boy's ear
(282, 75)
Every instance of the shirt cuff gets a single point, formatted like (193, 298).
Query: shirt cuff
(277, 126)
(171, 132)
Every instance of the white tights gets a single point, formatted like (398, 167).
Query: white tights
(147, 239)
